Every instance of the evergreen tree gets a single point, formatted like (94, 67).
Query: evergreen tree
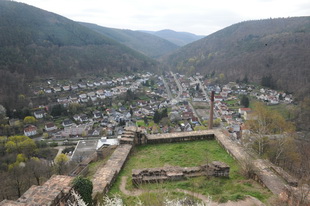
(156, 117)
(58, 110)
(245, 101)
(164, 113)
(281, 97)
(85, 188)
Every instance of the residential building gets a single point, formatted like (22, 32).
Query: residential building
(50, 126)
(30, 130)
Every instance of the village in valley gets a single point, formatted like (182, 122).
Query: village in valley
(100, 108)
(89, 126)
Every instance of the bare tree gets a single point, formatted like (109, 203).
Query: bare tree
(38, 169)
(17, 177)
(265, 123)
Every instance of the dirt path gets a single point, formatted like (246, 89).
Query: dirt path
(205, 199)
(249, 201)
(127, 192)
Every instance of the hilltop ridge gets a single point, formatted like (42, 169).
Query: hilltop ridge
(278, 48)
(148, 44)
(38, 44)
(178, 38)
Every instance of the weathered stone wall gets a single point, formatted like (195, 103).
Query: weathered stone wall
(54, 192)
(105, 176)
(296, 196)
(154, 175)
(292, 181)
(57, 190)
(134, 136)
(262, 171)
(179, 137)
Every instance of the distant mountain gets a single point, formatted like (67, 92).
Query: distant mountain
(37, 43)
(178, 38)
(147, 44)
(276, 48)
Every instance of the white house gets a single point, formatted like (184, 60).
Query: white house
(50, 126)
(66, 88)
(82, 85)
(30, 130)
(57, 89)
(39, 114)
(218, 98)
(97, 114)
(242, 111)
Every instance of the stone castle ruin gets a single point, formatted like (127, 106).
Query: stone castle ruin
(156, 175)
(57, 190)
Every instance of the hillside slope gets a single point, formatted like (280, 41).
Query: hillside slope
(37, 43)
(178, 38)
(147, 44)
(279, 48)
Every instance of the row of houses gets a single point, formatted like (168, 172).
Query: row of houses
(84, 85)
(127, 80)
(32, 130)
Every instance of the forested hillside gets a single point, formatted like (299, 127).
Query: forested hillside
(147, 44)
(276, 50)
(35, 43)
(178, 38)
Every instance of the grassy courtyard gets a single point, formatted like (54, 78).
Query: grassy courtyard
(188, 155)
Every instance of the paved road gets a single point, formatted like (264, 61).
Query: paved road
(178, 84)
(167, 88)
(201, 86)
(207, 97)
(196, 114)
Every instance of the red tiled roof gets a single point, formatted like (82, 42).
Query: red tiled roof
(30, 128)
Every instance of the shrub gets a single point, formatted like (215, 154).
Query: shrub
(84, 187)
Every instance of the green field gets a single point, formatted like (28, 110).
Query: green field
(188, 154)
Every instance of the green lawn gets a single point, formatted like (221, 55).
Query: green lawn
(187, 155)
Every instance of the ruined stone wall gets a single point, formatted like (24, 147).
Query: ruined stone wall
(134, 136)
(154, 175)
(262, 171)
(57, 189)
(105, 176)
(54, 192)
(179, 137)
(296, 196)
(292, 181)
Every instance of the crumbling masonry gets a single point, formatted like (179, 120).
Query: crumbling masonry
(156, 175)
(56, 190)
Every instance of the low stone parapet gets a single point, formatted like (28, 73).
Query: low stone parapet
(154, 175)
(292, 181)
(179, 137)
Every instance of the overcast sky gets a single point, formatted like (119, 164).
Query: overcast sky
(201, 17)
